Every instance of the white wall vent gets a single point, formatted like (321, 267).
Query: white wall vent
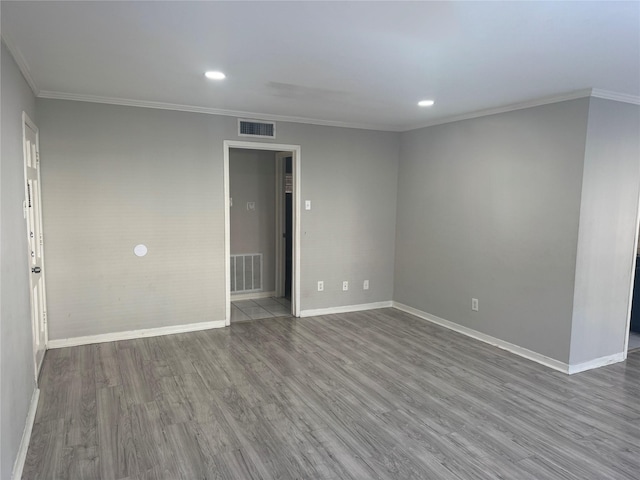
(256, 128)
(246, 273)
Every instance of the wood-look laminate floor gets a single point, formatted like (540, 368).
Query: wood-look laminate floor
(370, 395)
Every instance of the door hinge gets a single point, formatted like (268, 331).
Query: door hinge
(41, 241)
(37, 157)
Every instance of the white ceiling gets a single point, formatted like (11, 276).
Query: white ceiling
(354, 63)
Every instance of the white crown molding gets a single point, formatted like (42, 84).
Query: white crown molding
(506, 108)
(588, 92)
(21, 62)
(615, 96)
(132, 334)
(209, 111)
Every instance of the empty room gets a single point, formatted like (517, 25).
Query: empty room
(319, 240)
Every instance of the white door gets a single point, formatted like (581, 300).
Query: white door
(33, 214)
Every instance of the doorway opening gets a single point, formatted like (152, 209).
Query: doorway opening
(284, 224)
(262, 241)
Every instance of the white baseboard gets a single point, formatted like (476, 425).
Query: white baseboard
(251, 296)
(510, 347)
(131, 334)
(18, 465)
(345, 309)
(596, 363)
(496, 342)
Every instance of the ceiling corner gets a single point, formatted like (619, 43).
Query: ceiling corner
(21, 62)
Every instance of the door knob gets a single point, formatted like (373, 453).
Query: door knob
(36, 270)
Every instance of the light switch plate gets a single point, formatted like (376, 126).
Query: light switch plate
(307, 204)
(474, 304)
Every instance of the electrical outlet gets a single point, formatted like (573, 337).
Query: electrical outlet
(321, 286)
(474, 304)
(345, 285)
(251, 205)
(365, 285)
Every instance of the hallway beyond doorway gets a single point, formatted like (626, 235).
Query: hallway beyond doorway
(243, 310)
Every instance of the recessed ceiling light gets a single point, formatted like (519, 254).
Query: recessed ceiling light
(215, 75)
(425, 103)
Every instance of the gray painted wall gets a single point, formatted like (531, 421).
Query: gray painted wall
(608, 223)
(116, 176)
(17, 381)
(350, 176)
(489, 208)
(252, 178)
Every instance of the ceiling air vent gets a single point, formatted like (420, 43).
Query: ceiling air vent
(254, 128)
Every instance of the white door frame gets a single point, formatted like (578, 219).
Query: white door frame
(632, 282)
(275, 147)
(28, 123)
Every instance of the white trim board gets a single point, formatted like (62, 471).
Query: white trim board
(632, 280)
(496, 342)
(596, 363)
(21, 62)
(132, 334)
(615, 96)
(129, 102)
(511, 347)
(251, 296)
(18, 465)
(587, 92)
(345, 309)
